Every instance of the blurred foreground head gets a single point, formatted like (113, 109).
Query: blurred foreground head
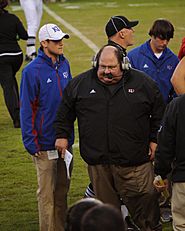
(102, 217)
(3, 4)
(76, 212)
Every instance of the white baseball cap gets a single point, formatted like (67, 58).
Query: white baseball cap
(51, 32)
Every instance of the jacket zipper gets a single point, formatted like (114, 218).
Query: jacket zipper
(58, 77)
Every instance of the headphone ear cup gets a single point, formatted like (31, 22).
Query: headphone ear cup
(125, 63)
(94, 61)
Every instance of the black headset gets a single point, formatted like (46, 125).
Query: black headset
(125, 62)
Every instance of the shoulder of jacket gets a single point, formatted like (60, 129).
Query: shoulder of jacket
(133, 51)
(171, 54)
(179, 100)
(82, 77)
(84, 74)
(136, 72)
(141, 77)
(137, 50)
(33, 68)
(63, 59)
(13, 16)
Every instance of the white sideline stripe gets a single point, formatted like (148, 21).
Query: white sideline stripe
(143, 4)
(181, 28)
(88, 42)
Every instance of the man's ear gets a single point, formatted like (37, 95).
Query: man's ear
(122, 33)
(44, 44)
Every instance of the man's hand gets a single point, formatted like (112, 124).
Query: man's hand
(152, 148)
(160, 185)
(37, 154)
(61, 145)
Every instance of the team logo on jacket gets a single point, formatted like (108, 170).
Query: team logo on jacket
(169, 67)
(65, 74)
(92, 91)
(145, 66)
(131, 90)
(159, 130)
(49, 80)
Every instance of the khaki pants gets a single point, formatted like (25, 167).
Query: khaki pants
(53, 187)
(178, 206)
(134, 185)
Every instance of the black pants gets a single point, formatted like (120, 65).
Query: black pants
(9, 65)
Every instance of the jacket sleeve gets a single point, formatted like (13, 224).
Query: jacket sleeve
(21, 31)
(66, 113)
(29, 102)
(166, 142)
(157, 112)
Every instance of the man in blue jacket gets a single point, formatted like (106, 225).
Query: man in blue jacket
(42, 85)
(155, 58)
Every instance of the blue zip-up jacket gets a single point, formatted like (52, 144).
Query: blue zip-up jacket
(160, 70)
(41, 91)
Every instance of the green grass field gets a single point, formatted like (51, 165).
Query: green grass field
(18, 205)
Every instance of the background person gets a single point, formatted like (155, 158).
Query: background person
(170, 158)
(155, 58)
(111, 105)
(42, 85)
(33, 13)
(120, 32)
(11, 58)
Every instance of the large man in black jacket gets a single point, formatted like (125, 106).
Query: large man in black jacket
(170, 157)
(118, 112)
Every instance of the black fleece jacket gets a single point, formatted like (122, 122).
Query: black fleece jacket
(170, 154)
(115, 127)
(11, 29)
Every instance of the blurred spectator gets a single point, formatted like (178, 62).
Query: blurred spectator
(11, 58)
(76, 211)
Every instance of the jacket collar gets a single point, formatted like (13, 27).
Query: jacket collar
(122, 49)
(42, 55)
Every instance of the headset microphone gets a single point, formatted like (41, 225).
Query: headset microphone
(109, 76)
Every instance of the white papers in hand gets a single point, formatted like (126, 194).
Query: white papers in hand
(68, 158)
